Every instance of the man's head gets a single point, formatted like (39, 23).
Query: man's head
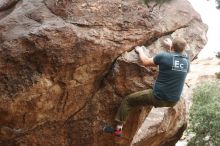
(179, 45)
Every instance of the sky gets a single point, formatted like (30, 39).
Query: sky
(210, 16)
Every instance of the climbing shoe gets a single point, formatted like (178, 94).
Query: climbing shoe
(118, 132)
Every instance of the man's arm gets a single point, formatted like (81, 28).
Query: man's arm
(167, 44)
(144, 59)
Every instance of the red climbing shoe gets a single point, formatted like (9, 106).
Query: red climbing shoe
(118, 132)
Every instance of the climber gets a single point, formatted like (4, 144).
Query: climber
(173, 68)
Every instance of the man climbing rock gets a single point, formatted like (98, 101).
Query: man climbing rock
(173, 68)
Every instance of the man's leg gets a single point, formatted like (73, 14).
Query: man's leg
(131, 102)
(162, 103)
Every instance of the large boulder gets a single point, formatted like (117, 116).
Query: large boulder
(65, 66)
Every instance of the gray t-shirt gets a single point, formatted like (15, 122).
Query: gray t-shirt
(173, 68)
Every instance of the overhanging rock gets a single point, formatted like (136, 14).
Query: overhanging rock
(65, 65)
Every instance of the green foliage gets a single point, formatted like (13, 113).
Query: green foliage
(218, 4)
(205, 115)
(217, 75)
(218, 55)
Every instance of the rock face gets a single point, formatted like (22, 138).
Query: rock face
(166, 124)
(65, 66)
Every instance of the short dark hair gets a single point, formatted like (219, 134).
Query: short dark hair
(179, 45)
